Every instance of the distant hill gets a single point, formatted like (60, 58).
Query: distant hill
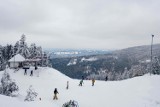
(117, 65)
(140, 52)
(65, 53)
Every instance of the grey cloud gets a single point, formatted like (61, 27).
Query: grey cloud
(85, 23)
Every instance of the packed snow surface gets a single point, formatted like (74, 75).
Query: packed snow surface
(141, 91)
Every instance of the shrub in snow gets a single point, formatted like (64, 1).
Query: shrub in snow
(8, 86)
(156, 66)
(31, 94)
(71, 103)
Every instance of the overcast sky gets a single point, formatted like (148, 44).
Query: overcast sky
(78, 24)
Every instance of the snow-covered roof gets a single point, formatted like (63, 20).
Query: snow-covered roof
(33, 60)
(17, 58)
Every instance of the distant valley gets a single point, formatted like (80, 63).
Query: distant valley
(117, 65)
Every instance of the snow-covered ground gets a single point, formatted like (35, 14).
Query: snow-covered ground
(72, 62)
(89, 59)
(141, 91)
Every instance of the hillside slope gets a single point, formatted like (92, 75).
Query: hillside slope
(135, 61)
(136, 92)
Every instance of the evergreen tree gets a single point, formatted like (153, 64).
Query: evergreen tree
(7, 52)
(33, 50)
(39, 51)
(156, 66)
(1, 57)
(16, 48)
(23, 48)
(31, 94)
(10, 51)
(125, 74)
(8, 86)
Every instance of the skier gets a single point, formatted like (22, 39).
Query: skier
(25, 71)
(67, 85)
(36, 67)
(81, 82)
(55, 94)
(93, 81)
(31, 73)
(106, 78)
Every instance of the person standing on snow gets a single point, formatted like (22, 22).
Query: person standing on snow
(81, 82)
(55, 94)
(25, 71)
(93, 81)
(31, 73)
(67, 85)
(106, 78)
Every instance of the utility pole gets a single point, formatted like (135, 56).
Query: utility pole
(14, 57)
(42, 57)
(151, 54)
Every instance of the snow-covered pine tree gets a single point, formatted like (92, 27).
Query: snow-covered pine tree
(39, 51)
(4, 52)
(125, 74)
(1, 58)
(112, 74)
(71, 103)
(1, 48)
(16, 48)
(7, 52)
(137, 70)
(8, 86)
(10, 51)
(33, 50)
(156, 66)
(31, 94)
(44, 59)
(23, 48)
(36, 52)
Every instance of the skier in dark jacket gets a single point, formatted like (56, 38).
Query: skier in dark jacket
(31, 73)
(25, 71)
(106, 78)
(55, 94)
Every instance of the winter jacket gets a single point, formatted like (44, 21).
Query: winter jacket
(55, 91)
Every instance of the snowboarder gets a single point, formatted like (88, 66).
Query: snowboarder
(31, 73)
(67, 85)
(106, 78)
(93, 81)
(81, 82)
(55, 94)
